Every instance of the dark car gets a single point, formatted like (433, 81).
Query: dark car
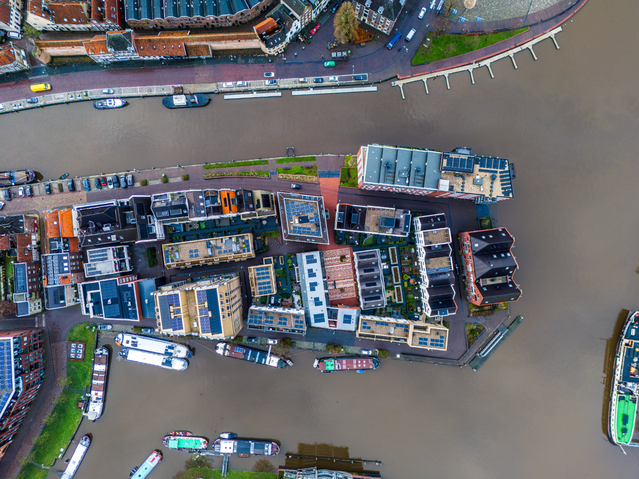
(87, 184)
(32, 100)
(147, 330)
(47, 188)
(116, 182)
(335, 7)
(7, 194)
(359, 77)
(71, 184)
(295, 186)
(251, 340)
(98, 185)
(103, 181)
(123, 181)
(318, 80)
(29, 191)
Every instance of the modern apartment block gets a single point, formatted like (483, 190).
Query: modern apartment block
(12, 57)
(21, 374)
(61, 272)
(211, 251)
(181, 14)
(489, 266)
(433, 241)
(262, 279)
(370, 280)
(376, 220)
(82, 16)
(415, 171)
(396, 330)
(27, 288)
(110, 260)
(283, 320)
(303, 218)
(379, 14)
(210, 308)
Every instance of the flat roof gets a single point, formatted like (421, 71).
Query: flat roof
(313, 291)
(278, 319)
(223, 248)
(303, 219)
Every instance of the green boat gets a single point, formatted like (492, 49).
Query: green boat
(625, 420)
(184, 441)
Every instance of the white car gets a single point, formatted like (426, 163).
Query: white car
(422, 12)
(21, 192)
(332, 78)
(1, 204)
(108, 91)
(269, 74)
(242, 83)
(271, 341)
(228, 84)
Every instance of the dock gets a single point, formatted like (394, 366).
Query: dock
(332, 91)
(502, 332)
(248, 96)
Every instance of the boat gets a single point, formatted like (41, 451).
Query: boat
(253, 355)
(76, 458)
(109, 103)
(158, 346)
(348, 363)
(153, 359)
(95, 404)
(145, 469)
(228, 443)
(184, 441)
(625, 386)
(186, 101)
(17, 177)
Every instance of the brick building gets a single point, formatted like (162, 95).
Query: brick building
(94, 16)
(12, 58)
(21, 374)
(379, 14)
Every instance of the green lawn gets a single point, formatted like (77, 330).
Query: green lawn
(235, 164)
(238, 173)
(63, 421)
(299, 170)
(296, 159)
(348, 177)
(198, 473)
(447, 45)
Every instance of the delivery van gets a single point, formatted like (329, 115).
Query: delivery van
(40, 87)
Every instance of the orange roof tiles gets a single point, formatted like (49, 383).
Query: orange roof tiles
(267, 26)
(158, 46)
(7, 56)
(23, 242)
(66, 223)
(198, 50)
(96, 46)
(68, 13)
(52, 224)
(5, 242)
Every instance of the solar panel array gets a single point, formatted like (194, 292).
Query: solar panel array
(263, 281)
(176, 321)
(97, 255)
(435, 343)
(6, 362)
(457, 163)
(110, 299)
(298, 209)
(20, 278)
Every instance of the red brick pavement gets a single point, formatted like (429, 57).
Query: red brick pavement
(329, 188)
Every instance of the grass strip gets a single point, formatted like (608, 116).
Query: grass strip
(444, 46)
(296, 159)
(239, 173)
(203, 473)
(79, 372)
(348, 177)
(298, 170)
(235, 164)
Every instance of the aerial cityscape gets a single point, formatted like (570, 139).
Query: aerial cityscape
(427, 244)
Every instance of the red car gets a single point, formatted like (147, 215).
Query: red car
(315, 28)
(103, 181)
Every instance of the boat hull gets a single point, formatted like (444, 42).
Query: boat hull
(145, 469)
(109, 104)
(359, 364)
(185, 443)
(196, 100)
(76, 458)
(153, 359)
(95, 405)
(246, 447)
(17, 177)
(251, 355)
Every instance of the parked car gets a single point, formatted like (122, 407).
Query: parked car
(98, 185)
(369, 352)
(228, 84)
(64, 176)
(147, 330)
(271, 82)
(17, 105)
(116, 182)
(7, 194)
(315, 28)
(21, 192)
(318, 80)
(335, 7)
(87, 184)
(129, 179)
(329, 64)
(332, 79)
(242, 83)
(295, 186)
(32, 100)
(29, 190)
(359, 77)
(108, 91)
(105, 326)
(302, 80)
(271, 341)
(47, 188)
(251, 340)
(422, 12)
(71, 184)
(109, 181)
(123, 181)
(269, 74)
(103, 181)
(1, 204)
(1, 107)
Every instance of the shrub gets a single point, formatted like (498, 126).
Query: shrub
(264, 465)
(382, 353)
(185, 177)
(198, 461)
(286, 342)
(144, 182)
(164, 178)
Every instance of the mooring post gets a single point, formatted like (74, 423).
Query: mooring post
(425, 85)
(490, 70)
(554, 41)
(512, 57)
(472, 78)
(533, 52)
(447, 84)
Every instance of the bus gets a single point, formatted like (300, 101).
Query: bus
(41, 87)
(395, 39)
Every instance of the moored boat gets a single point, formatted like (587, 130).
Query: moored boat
(17, 177)
(145, 469)
(95, 404)
(184, 441)
(153, 359)
(158, 346)
(76, 458)
(348, 363)
(186, 101)
(109, 103)
(252, 355)
(625, 386)
(227, 443)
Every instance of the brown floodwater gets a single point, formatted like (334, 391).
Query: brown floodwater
(534, 410)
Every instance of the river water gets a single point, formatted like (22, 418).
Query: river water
(535, 409)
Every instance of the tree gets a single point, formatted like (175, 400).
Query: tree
(346, 23)
(263, 465)
(201, 462)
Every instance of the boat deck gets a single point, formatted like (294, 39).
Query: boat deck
(186, 443)
(340, 364)
(625, 421)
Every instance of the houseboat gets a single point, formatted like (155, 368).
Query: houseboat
(253, 355)
(76, 458)
(145, 469)
(228, 443)
(349, 363)
(109, 104)
(18, 177)
(157, 346)
(95, 405)
(184, 441)
(625, 386)
(153, 359)
(186, 101)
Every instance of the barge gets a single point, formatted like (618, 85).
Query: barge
(186, 101)
(153, 359)
(145, 469)
(109, 104)
(350, 363)
(184, 441)
(18, 177)
(625, 386)
(252, 355)
(228, 443)
(95, 404)
(153, 345)
(76, 458)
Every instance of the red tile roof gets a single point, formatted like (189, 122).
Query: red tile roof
(158, 46)
(267, 26)
(68, 13)
(7, 56)
(5, 242)
(5, 12)
(23, 242)
(96, 46)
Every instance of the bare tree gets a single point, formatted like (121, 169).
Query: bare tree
(346, 23)
(263, 465)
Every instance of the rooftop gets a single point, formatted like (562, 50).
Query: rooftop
(303, 218)
(115, 298)
(223, 248)
(277, 319)
(262, 279)
(372, 292)
(106, 261)
(372, 219)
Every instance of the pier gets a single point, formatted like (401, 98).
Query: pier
(329, 91)
(502, 332)
(335, 459)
